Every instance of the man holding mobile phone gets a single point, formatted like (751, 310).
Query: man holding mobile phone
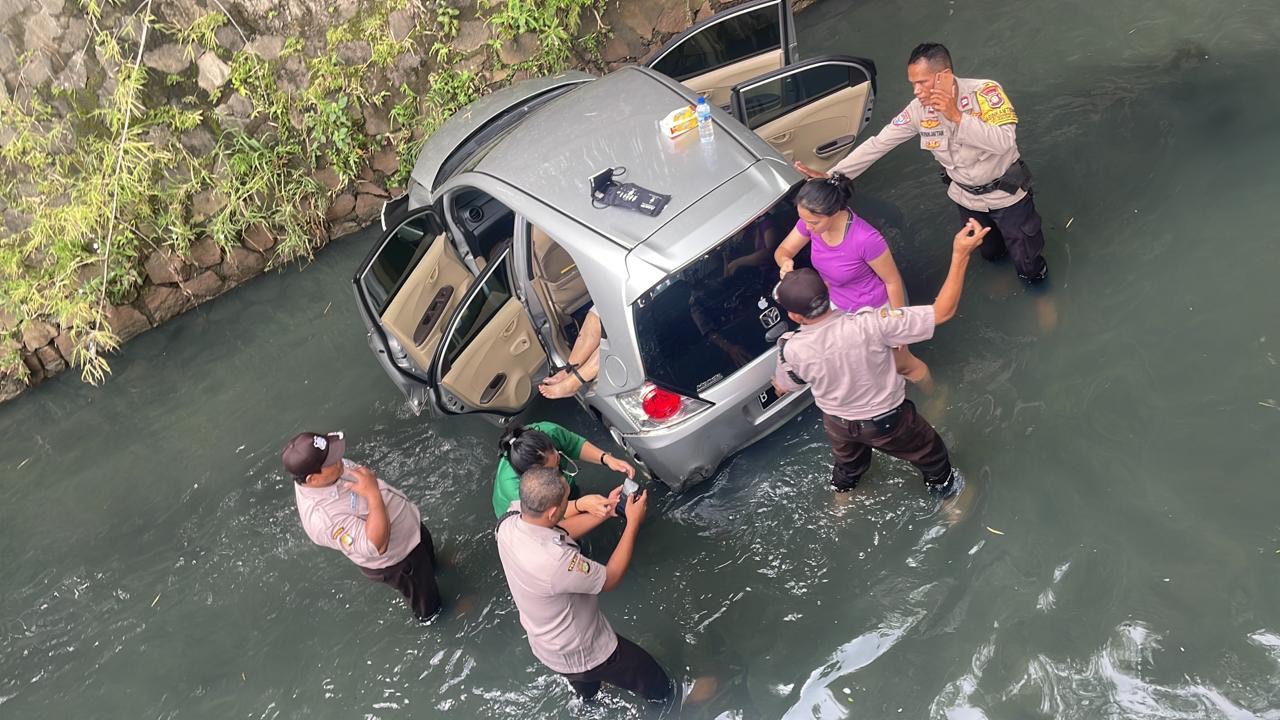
(970, 127)
(557, 591)
(344, 506)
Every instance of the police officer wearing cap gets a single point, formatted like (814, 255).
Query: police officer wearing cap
(971, 129)
(847, 361)
(344, 506)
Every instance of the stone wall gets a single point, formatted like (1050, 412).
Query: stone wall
(48, 54)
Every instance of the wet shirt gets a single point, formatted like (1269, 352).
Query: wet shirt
(844, 267)
(974, 151)
(506, 485)
(556, 589)
(847, 359)
(334, 517)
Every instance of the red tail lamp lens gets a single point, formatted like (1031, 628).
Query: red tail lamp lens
(660, 404)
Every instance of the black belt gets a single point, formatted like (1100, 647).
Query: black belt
(885, 422)
(1017, 177)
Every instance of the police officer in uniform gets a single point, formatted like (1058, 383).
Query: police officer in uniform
(344, 506)
(557, 590)
(847, 361)
(971, 129)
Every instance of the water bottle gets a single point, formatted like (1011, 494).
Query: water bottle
(705, 129)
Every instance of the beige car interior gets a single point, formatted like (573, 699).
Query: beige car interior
(716, 84)
(799, 134)
(557, 283)
(418, 313)
(494, 372)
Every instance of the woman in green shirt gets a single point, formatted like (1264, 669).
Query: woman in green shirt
(546, 443)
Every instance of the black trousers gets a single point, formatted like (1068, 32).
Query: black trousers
(905, 435)
(1016, 232)
(630, 667)
(414, 577)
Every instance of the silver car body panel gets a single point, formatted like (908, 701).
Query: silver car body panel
(608, 123)
(462, 125)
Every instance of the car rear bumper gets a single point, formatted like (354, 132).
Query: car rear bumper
(690, 452)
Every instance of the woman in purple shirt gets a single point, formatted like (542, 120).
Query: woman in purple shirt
(851, 256)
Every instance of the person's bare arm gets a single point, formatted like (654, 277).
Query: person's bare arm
(637, 506)
(593, 454)
(965, 242)
(855, 163)
(580, 524)
(887, 270)
(377, 527)
(787, 251)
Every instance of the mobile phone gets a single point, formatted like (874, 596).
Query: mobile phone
(629, 488)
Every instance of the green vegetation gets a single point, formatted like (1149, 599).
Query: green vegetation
(93, 187)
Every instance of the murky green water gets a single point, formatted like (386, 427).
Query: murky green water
(1126, 455)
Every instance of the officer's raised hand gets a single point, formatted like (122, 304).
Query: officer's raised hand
(943, 96)
(969, 238)
(366, 483)
(637, 507)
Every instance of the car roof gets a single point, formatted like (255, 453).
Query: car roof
(470, 119)
(609, 123)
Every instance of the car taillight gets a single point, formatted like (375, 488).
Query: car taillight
(651, 407)
(659, 404)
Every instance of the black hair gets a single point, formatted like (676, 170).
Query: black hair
(541, 488)
(525, 447)
(825, 196)
(936, 54)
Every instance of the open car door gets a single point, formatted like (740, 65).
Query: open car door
(811, 111)
(406, 289)
(728, 48)
(489, 354)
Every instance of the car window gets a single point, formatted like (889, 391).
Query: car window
(772, 99)
(717, 314)
(728, 41)
(477, 312)
(395, 258)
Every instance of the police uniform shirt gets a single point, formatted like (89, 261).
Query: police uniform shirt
(847, 359)
(974, 151)
(556, 589)
(334, 517)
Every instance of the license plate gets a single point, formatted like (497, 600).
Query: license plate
(767, 397)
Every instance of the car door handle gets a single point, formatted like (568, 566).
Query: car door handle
(781, 138)
(520, 345)
(510, 328)
(431, 316)
(492, 389)
(831, 147)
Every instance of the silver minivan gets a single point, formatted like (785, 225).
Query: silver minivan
(490, 263)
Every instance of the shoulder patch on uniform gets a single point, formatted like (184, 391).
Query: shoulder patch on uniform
(903, 118)
(579, 563)
(994, 107)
